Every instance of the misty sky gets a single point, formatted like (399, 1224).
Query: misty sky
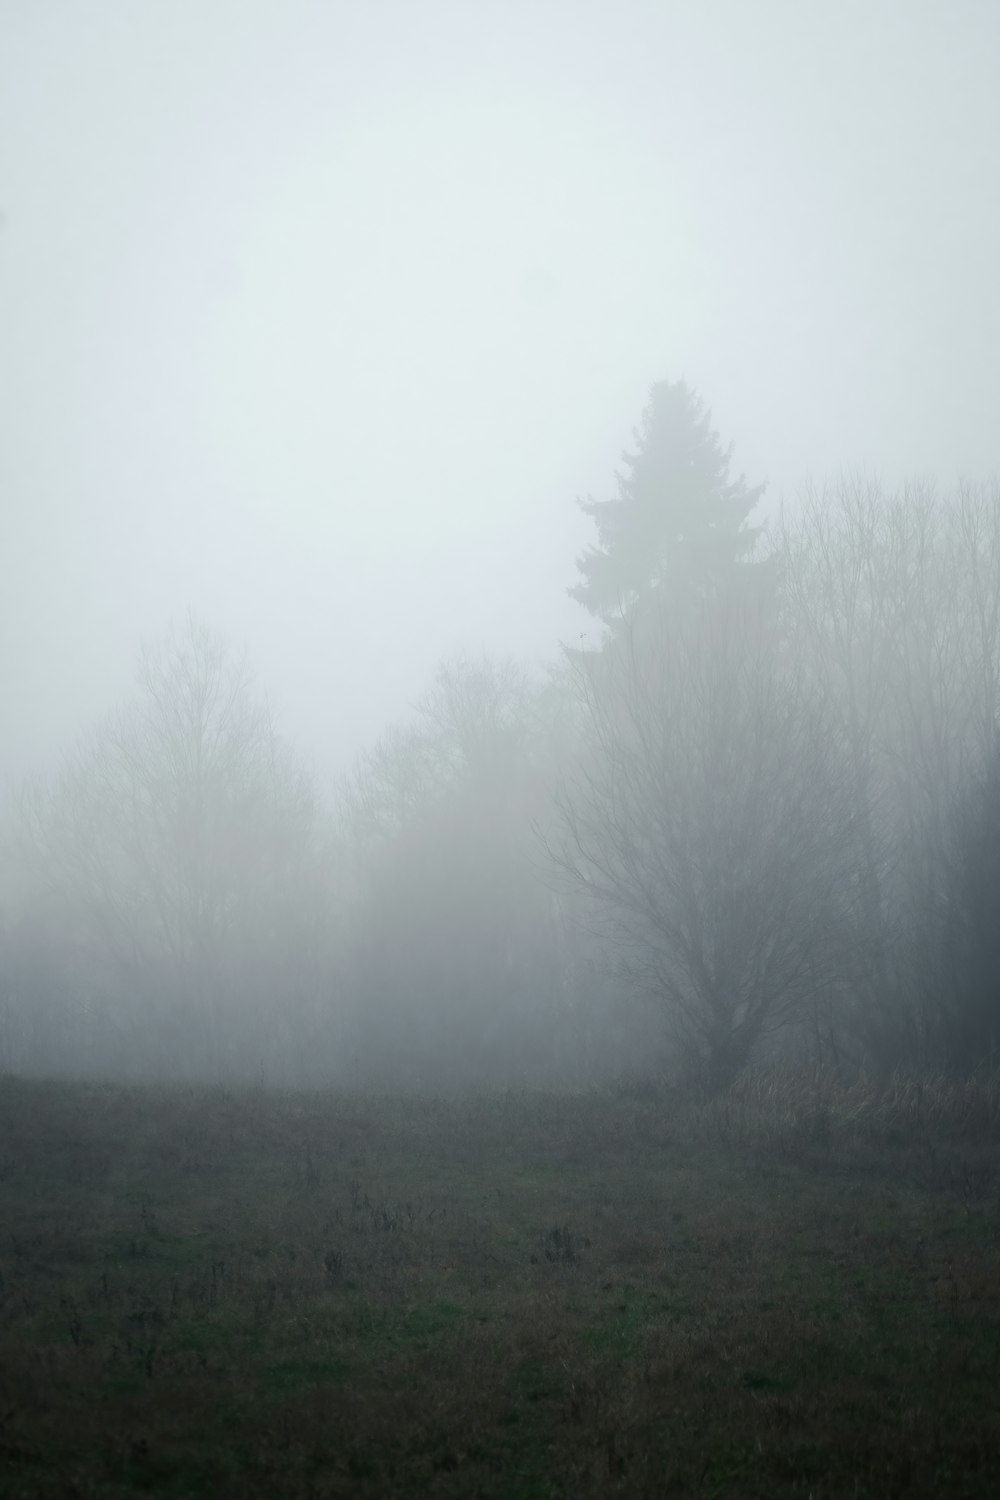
(317, 317)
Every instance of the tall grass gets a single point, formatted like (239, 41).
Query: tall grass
(905, 1101)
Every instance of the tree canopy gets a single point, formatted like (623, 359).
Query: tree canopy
(678, 520)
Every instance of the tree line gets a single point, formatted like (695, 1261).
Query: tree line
(761, 818)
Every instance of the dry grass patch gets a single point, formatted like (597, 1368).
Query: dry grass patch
(236, 1294)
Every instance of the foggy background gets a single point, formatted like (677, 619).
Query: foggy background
(317, 318)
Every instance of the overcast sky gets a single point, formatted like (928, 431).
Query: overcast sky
(317, 317)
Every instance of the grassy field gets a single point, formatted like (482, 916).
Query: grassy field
(792, 1292)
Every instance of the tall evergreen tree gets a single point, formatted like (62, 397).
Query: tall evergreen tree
(678, 521)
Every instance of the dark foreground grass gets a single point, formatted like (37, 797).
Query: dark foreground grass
(792, 1293)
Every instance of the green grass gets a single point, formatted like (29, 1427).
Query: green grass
(793, 1292)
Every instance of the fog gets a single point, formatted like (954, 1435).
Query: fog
(318, 320)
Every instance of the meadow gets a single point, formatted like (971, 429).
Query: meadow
(790, 1291)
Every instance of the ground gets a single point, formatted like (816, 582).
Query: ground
(235, 1293)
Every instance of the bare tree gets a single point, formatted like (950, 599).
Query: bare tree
(893, 602)
(175, 859)
(708, 820)
(456, 972)
(846, 560)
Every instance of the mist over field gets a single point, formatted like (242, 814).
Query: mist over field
(499, 539)
(499, 749)
(316, 320)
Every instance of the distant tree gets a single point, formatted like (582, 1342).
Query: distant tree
(708, 822)
(174, 862)
(892, 608)
(966, 1020)
(846, 556)
(457, 963)
(678, 523)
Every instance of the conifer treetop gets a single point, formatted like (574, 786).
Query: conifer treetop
(678, 520)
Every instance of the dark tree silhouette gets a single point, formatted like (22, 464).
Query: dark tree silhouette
(968, 1017)
(709, 824)
(678, 521)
